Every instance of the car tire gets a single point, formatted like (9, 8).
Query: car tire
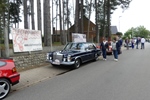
(96, 57)
(5, 88)
(77, 63)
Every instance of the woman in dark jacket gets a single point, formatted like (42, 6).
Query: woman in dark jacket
(104, 46)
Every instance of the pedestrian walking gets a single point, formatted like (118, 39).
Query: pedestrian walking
(104, 46)
(137, 42)
(115, 47)
(132, 43)
(127, 43)
(142, 42)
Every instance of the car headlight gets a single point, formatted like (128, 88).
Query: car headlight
(64, 59)
(50, 58)
(47, 56)
(69, 58)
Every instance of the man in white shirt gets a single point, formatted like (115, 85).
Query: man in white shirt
(142, 43)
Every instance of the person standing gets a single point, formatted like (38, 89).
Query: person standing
(132, 43)
(137, 42)
(127, 43)
(104, 46)
(115, 47)
(142, 43)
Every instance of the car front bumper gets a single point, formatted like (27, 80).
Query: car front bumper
(61, 63)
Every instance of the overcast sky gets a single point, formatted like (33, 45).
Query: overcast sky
(137, 14)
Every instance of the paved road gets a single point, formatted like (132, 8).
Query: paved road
(127, 79)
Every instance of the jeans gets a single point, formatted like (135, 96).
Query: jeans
(142, 45)
(115, 52)
(137, 45)
(104, 53)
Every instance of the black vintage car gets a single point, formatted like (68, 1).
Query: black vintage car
(74, 54)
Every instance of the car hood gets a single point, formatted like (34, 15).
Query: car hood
(69, 51)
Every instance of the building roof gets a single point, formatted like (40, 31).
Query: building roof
(114, 29)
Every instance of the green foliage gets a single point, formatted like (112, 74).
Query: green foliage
(14, 10)
(119, 34)
(139, 31)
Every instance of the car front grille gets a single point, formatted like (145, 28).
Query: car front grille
(58, 56)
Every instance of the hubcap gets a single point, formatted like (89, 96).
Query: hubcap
(4, 88)
(77, 63)
(96, 56)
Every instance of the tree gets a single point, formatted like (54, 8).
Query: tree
(15, 11)
(90, 7)
(77, 17)
(60, 22)
(139, 31)
(32, 14)
(39, 18)
(47, 23)
(119, 34)
(7, 16)
(25, 10)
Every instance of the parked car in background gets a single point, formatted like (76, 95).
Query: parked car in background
(8, 76)
(74, 54)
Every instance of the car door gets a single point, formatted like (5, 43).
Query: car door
(92, 50)
(85, 52)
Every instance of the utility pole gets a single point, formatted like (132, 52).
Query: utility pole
(119, 22)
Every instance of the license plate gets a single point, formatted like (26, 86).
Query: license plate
(57, 62)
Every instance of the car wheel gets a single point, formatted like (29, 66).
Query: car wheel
(96, 57)
(77, 63)
(4, 88)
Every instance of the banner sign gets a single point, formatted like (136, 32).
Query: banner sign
(77, 37)
(26, 40)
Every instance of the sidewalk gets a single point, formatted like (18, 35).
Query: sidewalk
(33, 76)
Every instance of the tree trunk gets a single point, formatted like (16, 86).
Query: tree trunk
(60, 20)
(0, 35)
(32, 14)
(39, 18)
(108, 19)
(89, 20)
(96, 20)
(82, 14)
(104, 30)
(25, 14)
(47, 23)
(56, 21)
(77, 17)
(64, 33)
(68, 30)
(6, 38)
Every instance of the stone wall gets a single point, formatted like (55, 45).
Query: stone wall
(24, 62)
(28, 60)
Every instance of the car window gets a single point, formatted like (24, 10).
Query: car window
(91, 46)
(68, 46)
(79, 46)
(2, 63)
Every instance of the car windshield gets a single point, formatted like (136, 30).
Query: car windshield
(74, 46)
(2, 63)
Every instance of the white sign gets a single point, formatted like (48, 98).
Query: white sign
(26, 40)
(77, 37)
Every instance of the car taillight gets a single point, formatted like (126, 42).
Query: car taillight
(14, 70)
